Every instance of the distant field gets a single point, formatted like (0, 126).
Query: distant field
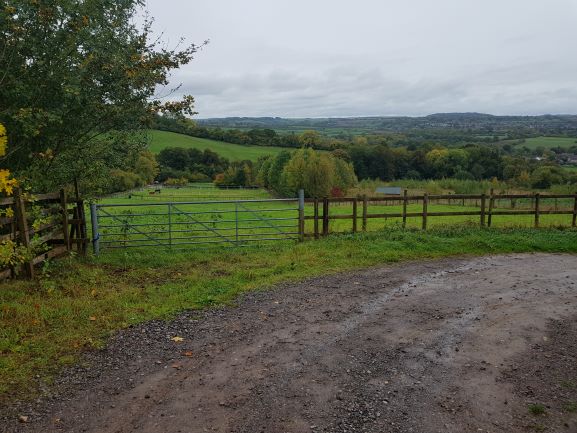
(162, 139)
(549, 142)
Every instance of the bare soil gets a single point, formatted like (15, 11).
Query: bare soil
(471, 345)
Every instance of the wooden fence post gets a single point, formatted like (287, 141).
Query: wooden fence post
(574, 223)
(491, 205)
(82, 227)
(64, 209)
(537, 200)
(405, 208)
(22, 224)
(325, 216)
(316, 218)
(483, 198)
(425, 206)
(355, 215)
(365, 212)
(301, 215)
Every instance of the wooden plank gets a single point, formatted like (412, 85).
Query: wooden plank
(340, 217)
(465, 213)
(54, 252)
(6, 201)
(52, 196)
(365, 211)
(386, 215)
(454, 196)
(513, 196)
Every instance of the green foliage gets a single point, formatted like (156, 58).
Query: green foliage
(176, 181)
(78, 79)
(238, 174)
(545, 177)
(319, 174)
(191, 160)
(121, 180)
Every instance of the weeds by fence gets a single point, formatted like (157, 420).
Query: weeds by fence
(43, 226)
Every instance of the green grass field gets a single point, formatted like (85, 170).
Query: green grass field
(549, 142)
(162, 139)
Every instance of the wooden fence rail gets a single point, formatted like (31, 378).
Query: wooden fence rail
(51, 222)
(487, 205)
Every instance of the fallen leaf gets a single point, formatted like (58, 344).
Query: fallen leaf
(177, 366)
(187, 353)
(177, 339)
(23, 418)
(92, 318)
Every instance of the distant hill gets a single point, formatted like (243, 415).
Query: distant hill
(474, 122)
(162, 139)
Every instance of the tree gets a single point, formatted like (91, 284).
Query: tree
(78, 78)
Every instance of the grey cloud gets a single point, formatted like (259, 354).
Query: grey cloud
(333, 58)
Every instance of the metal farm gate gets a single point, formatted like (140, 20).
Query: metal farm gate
(178, 224)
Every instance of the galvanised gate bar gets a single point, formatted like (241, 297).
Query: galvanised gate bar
(201, 223)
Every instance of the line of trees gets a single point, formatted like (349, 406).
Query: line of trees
(475, 162)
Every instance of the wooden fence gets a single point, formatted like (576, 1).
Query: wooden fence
(485, 202)
(50, 224)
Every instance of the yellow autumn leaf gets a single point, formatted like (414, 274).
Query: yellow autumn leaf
(177, 339)
(3, 140)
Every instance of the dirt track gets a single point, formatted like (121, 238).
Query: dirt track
(440, 346)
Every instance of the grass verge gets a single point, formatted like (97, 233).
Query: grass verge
(76, 304)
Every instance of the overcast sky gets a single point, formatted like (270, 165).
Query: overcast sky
(329, 58)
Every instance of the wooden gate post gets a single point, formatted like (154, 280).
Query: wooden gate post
(301, 215)
(64, 209)
(325, 216)
(316, 218)
(22, 224)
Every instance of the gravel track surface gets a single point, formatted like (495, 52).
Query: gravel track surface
(458, 346)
